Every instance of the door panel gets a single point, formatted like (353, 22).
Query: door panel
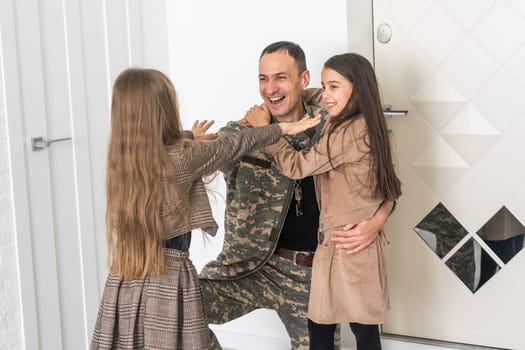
(43, 240)
(58, 69)
(459, 155)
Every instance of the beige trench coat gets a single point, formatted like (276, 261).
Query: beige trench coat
(345, 288)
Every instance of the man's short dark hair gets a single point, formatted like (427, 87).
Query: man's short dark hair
(291, 48)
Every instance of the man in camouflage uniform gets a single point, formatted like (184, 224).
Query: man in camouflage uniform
(270, 233)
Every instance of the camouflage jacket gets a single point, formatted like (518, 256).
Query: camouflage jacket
(257, 200)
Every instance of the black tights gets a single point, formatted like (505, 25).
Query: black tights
(322, 336)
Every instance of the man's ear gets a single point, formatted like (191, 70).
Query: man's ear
(305, 77)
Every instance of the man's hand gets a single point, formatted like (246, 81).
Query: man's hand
(200, 128)
(355, 237)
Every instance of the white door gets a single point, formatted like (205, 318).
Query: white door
(457, 68)
(59, 59)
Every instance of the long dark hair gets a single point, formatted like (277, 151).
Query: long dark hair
(366, 100)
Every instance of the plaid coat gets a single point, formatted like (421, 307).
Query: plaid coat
(166, 311)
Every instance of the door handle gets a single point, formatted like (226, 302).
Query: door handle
(394, 112)
(39, 143)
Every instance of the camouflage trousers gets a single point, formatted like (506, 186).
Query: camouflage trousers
(278, 285)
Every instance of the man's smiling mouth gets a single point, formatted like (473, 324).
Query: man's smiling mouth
(274, 100)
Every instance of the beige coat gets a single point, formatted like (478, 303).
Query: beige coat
(345, 288)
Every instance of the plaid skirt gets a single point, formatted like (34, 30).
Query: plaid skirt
(157, 312)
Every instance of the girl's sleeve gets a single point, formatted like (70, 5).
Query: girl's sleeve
(205, 157)
(346, 145)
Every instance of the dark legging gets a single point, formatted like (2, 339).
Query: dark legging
(322, 336)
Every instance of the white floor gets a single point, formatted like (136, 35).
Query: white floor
(238, 341)
(263, 330)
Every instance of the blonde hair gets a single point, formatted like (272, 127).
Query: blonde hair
(144, 120)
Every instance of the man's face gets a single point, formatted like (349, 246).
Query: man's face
(281, 85)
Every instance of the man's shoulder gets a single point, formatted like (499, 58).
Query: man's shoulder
(308, 138)
(311, 102)
(231, 126)
(314, 111)
(312, 96)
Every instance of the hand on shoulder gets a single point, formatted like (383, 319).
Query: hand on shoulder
(299, 126)
(257, 115)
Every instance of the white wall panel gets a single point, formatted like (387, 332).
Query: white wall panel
(59, 59)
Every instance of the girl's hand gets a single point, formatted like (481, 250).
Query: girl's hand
(199, 130)
(299, 126)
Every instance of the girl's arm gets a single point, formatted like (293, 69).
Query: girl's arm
(202, 158)
(346, 145)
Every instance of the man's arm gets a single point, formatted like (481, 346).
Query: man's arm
(354, 238)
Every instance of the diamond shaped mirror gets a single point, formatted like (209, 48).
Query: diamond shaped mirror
(503, 234)
(440, 230)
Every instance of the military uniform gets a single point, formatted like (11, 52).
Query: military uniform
(247, 275)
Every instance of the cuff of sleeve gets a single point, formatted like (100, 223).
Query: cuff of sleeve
(187, 134)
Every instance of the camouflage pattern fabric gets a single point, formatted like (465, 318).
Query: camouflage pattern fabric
(278, 285)
(257, 201)
(312, 96)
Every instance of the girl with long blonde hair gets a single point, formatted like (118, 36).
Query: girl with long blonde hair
(155, 198)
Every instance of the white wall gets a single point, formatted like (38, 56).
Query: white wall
(360, 28)
(10, 323)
